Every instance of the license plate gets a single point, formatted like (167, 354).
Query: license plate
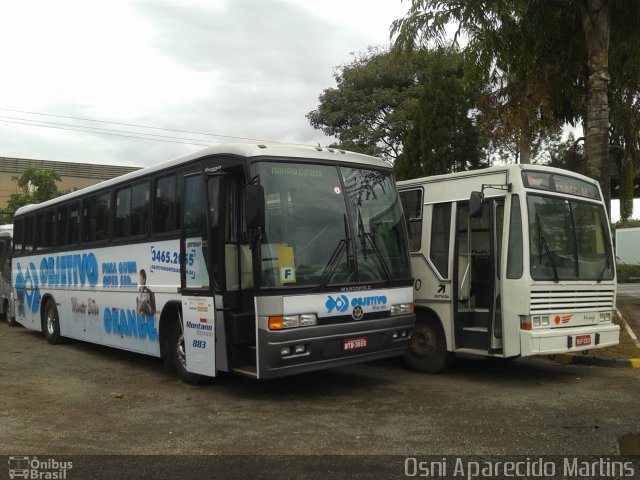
(583, 340)
(354, 343)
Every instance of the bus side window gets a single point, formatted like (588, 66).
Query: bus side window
(140, 209)
(6, 268)
(514, 253)
(37, 242)
(88, 219)
(62, 218)
(165, 205)
(73, 228)
(29, 233)
(412, 206)
(103, 215)
(5, 258)
(17, 236)
(48, 229)
(440, 230)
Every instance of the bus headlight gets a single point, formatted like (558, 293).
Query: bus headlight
(281, 322)
(536, 321)
(401, 309)
(307, 319)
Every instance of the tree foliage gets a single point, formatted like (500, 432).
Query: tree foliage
(413, 109)
(548, 62)
(624, 99)
(444, 136)
(371, 108)
(37, 185)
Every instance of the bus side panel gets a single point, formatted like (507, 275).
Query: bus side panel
(27, 297)
(433, 294)
(515, 302)
(111, 296)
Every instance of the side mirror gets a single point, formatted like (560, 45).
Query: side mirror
(475, 204)
(254, 206)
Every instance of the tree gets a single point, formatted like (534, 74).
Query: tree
(413, 109)
(624, 101)
(371, 108)
(541, 56)
(444, 136)
(37, 185)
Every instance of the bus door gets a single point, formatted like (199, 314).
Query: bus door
(477, 322)
(198, 307)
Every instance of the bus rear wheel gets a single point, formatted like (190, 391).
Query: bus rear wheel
(11, 321)
(52, 323)
(179, 355)
(428, 348)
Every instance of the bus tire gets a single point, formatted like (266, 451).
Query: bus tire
(11, 320)
(428, 347)
(51, 323)
(178, 355)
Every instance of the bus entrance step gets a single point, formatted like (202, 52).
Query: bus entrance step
(247, 370)
(475, 329)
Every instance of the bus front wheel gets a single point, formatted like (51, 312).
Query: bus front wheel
(428, 347)
(179, 356)
(52, 323)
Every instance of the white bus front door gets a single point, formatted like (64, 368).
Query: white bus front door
(477, 293)
(198, 308)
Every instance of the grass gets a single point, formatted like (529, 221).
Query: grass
(625, 349)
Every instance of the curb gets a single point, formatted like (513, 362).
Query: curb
(579, 359)
(573, 359)
(628, 328)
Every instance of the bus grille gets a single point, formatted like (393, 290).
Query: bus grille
(552, 301)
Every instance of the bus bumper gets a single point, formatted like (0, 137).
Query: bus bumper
(561, 340)
(327, 346)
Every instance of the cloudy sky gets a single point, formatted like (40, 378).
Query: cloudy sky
(232, 68)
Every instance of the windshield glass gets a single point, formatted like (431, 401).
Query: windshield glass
(569, 240)
(317, 234)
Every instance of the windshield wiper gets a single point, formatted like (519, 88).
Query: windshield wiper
(334, 261)
(545, 245)
(364, 236)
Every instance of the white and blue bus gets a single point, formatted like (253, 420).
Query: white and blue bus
(513, 260)
(265, 260)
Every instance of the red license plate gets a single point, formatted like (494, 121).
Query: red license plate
(354, 343)
(583, 340)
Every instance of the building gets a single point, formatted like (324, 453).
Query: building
(73, 175)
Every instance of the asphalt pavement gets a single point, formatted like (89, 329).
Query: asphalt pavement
(628, 302)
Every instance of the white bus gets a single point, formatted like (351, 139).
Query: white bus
(6, 248)
(509, 261)
(265, 260)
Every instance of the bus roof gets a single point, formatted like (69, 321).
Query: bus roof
(6, 230)
(511, 168)
(244, 150)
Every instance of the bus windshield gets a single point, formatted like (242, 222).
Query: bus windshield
(569, 240)
(331, 225)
